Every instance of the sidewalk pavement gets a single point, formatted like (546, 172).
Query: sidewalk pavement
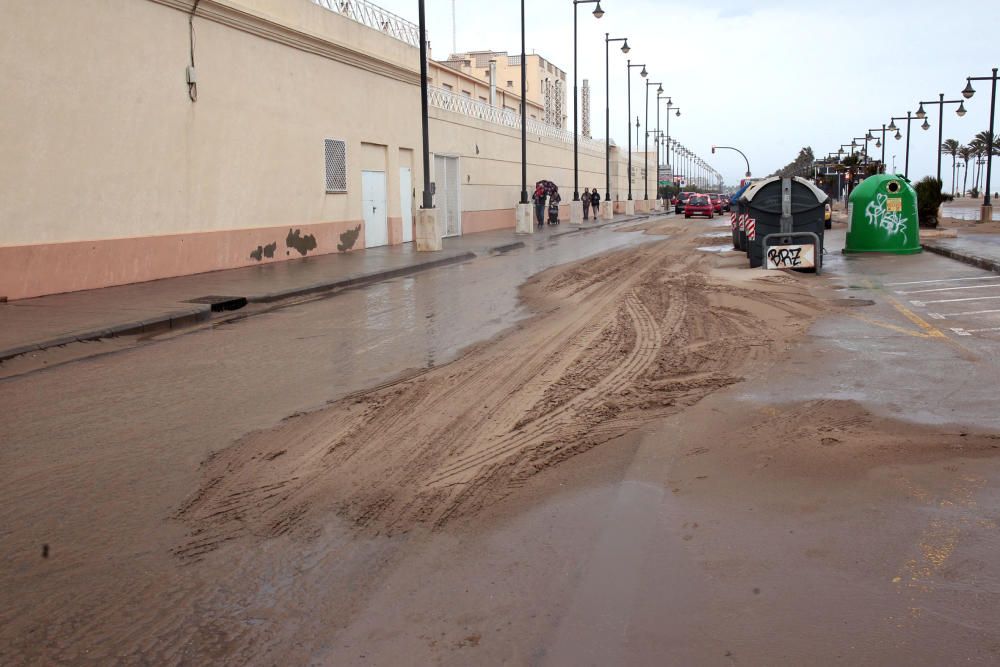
(36, 324)
(979, 250)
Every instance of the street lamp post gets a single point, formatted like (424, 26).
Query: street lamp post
(987, 211)
(598, 13)
(879, 143)
(524, 116)
(960, 111)
(892, 126)
(607, 108)
(428, 200)
(645, 149)
(854, 141)
(643, 73)
(730, 148)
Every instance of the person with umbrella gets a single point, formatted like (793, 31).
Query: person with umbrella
(539, 199)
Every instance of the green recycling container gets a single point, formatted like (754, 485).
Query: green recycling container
(882, 217)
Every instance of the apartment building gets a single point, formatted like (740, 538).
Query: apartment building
(546, 83)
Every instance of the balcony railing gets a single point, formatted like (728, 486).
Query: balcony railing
(375, 17)
(449, 101)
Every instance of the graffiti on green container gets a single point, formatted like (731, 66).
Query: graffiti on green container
(881, 214)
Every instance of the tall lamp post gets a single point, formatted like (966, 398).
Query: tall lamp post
(646, 145)
(960, 111)
(643, 73)
(879, 143)
(987, 211)
(730, 148)
(892, 126)
(428, 201)
(666, 152)
(524, 116)
(855, 141)
(598, 13)
(607, 108)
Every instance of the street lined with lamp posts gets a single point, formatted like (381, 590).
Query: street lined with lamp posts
(728, 403)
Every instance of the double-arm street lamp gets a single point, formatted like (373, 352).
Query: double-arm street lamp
(892, 126)
(644, 74)
(670, 107)
(967, 94)
(879, 143)
(730, 148)
(646, 145)
(607, 109)
(854, 142)
(960, 111)
(598, 13)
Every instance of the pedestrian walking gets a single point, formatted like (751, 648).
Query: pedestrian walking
(595, 202)
(586, 203)
(539, 199)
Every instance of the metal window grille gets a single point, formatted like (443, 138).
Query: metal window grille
(336, 165)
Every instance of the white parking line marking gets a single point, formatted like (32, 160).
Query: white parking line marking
(969, 332)
(943, 280)
(921, 304)
(944, 316)
(949, 289)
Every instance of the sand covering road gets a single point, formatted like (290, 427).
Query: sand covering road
(623, 339)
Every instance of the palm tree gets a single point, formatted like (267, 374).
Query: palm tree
(988, 147)
(950, 147)
(966, 153)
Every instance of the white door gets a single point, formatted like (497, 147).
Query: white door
(373, 205)
(406, 202)
(447, 200)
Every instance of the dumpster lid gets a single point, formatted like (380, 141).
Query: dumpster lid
(752, 191)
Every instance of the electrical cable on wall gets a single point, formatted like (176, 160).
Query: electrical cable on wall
(192, 78)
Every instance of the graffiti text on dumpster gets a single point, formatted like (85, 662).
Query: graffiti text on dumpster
(791, 257)
(880, 217)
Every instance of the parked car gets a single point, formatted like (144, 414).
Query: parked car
(680, 201)
(716, 202)
(699, 205)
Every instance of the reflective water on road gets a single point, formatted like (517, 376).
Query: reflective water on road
(967, 212)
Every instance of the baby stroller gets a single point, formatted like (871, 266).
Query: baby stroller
(553, 210)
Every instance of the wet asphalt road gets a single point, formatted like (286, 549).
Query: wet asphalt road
(593, 564)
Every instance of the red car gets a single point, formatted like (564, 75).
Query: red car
(716, 203)
(699, 205)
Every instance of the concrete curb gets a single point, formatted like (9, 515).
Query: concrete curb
(363, 279)
(972, 260)
(172, 320)
(180, 318)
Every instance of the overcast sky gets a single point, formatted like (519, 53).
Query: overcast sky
(767, 76)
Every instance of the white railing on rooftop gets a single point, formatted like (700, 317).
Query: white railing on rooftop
(375, 17)
(449, 101)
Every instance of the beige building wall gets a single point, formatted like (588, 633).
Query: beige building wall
(490, 167)
(112, 175)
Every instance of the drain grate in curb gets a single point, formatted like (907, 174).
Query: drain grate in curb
(221, 303)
